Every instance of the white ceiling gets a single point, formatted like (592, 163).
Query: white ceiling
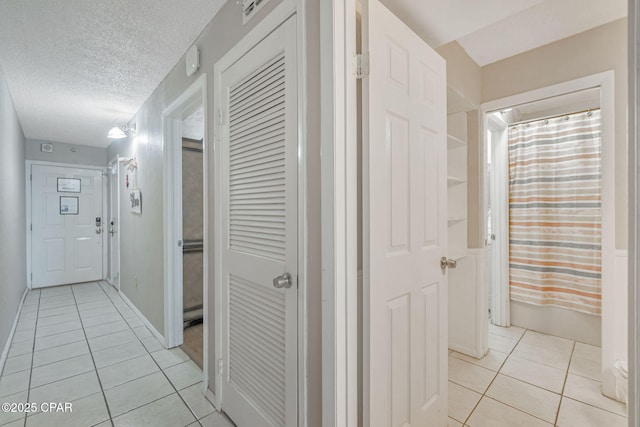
(75, 67)
(491, 30)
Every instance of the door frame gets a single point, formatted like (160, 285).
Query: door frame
(633, 21)
(604, 81)
(498, 256)
(172, 118)
(28, 165)
(114, 163)
(339, 213)
(273, 20)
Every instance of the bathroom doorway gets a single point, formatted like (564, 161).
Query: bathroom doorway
(586, 281)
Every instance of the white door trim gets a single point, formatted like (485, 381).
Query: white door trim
(499, 255)
(172, 118)
(272, 21)
(115, 162)
(605, 81)
(339, 214)
(28, 164)
(634, 210)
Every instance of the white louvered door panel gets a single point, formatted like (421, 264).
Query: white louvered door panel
(259, 223)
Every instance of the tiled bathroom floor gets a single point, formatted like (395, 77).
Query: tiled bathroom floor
(83, 344)
(530, 379)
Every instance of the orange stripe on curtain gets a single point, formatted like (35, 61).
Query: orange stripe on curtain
(555, 208)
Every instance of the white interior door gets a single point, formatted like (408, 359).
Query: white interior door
(66, 216)
(405, 226)
(113, 228)
(258, 200)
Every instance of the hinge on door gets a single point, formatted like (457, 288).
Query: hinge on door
(361, 65)
(220, 366)
(220, 117)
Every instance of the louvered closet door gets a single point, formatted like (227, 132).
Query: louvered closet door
(259, 221)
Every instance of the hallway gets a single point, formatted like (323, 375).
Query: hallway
(83, 344)
(530, 379)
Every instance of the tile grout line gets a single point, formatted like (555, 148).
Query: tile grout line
(157, 364)
(564, 384)
(494, 378)
(33, 351)
(104, 396)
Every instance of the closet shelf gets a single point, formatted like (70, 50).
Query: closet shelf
(452, 180)
(454, 142)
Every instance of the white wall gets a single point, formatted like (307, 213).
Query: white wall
(142, 237)
(66, 153)
(13, 250)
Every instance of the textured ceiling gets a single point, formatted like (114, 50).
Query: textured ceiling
(74, 67)
(193, 125)
(491, 30)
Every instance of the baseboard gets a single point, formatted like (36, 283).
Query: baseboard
(144, 320)
(7, 345)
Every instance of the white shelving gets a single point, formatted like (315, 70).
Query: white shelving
(457, 184)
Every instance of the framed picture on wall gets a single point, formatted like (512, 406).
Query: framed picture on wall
(136, 201)
(68, 205)
(69, 185)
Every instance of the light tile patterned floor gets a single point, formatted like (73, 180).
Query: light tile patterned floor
(530, 379)
(83, 344)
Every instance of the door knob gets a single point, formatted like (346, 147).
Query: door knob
(283, 281)
(446, 262)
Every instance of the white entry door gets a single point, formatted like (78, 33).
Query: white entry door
(258, 199)
(405, 226)
(66, 217)
(113, 227)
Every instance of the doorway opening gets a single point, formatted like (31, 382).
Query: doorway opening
(185, 210)
(594, 275)
(544, 216)
(192, 232)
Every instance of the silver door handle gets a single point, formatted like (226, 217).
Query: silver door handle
(447, 263)
(283, 281)
(98, 230)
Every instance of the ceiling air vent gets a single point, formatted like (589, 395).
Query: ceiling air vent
(250, 8)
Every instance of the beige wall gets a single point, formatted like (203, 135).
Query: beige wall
(600, 49)
(463, 74)
(142, 236)
(464, 77)
(13, 262)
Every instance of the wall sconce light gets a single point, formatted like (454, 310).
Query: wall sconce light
(119, 132)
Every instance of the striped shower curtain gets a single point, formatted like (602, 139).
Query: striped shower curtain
(555, 212)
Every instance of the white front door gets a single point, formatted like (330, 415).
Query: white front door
(113, 227)
(405, 226)
(66, 217)
(258, 199)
